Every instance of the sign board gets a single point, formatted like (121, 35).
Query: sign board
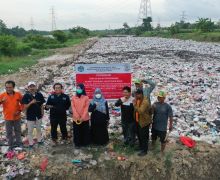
(110, 78)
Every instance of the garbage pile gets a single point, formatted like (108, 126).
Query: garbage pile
(188, 71)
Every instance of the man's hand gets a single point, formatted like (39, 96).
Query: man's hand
(3, 100)
(17, 113)
(33, 101)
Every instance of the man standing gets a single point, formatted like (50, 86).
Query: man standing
(12, 108)
(127, 116)
(142, 112)
(58, 103)
(162, 112)
(146, 85)
(33, 105)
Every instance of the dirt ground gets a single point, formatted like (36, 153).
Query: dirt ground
(179, 162)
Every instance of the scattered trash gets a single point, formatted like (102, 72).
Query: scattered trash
(76, 161)
(44, 164)
(187, 141)
(10, 154)
(121, 158)
(21, 156)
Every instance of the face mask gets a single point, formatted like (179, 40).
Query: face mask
(79, 91)
(98, 96)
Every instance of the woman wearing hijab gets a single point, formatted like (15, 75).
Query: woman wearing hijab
(80, 105)
(99, 118)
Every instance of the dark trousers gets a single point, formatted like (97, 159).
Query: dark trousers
(143, 137)
(54, 124)
(13, 126)
(128, 130)
(81, 134)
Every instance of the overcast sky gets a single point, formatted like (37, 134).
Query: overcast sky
(101, 14)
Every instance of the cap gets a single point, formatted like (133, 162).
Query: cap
(161, 94)
(137, 81)
(31, 83)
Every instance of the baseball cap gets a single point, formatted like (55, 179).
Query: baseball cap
(31, 83)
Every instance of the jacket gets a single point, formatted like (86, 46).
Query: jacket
(144, 112)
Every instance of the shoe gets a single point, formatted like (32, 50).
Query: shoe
(142, 153)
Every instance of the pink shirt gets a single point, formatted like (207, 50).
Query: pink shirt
(80, 107)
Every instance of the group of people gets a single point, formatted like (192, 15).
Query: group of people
(137, 115)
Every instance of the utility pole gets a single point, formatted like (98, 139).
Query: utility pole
(53, 19)
(144, 11)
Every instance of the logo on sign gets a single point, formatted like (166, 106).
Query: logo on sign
(80, 68)
(127, 67)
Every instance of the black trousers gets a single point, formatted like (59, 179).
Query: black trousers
(81, 134)
(143, 137)
(128, 129)
(54, 124)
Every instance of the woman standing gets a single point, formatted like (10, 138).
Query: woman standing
(99, 119)
(80, 105)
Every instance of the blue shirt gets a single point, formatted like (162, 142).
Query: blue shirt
(162, 111)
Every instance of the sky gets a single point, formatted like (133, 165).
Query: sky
(101, 14)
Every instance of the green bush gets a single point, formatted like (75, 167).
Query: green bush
(60, 36)
(41, 42)
(8, 45)
(79, 32)
(23, 49)
(173, 29)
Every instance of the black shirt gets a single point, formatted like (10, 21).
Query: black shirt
(127, 110)
(60, 104)
(34, 111)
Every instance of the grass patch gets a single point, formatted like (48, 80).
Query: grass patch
(72, 42)
(168, 160)
(10, 65)
(156, 149)
(196, 36)
(120, 148)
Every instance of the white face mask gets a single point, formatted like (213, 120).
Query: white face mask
(98, 96)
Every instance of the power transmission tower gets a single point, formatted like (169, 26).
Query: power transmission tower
(183, 17)
(53, 19)
(32, 23)
(144, 11)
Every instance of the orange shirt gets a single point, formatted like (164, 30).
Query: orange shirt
(11, 105)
